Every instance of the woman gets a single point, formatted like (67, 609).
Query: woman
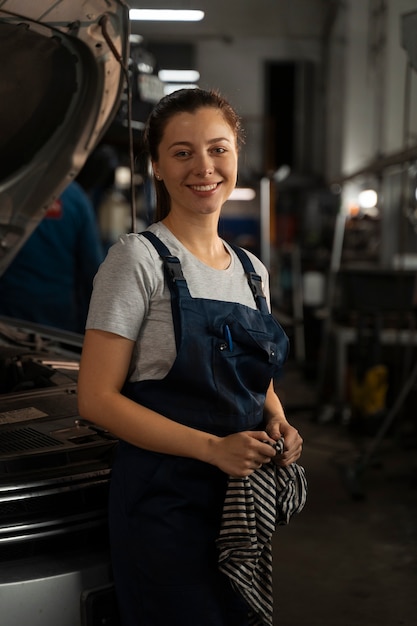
(179, 356)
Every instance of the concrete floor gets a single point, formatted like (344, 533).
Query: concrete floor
(344, 561)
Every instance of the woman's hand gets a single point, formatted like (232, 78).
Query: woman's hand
(242, 453)
(293, 443)
(277, 426)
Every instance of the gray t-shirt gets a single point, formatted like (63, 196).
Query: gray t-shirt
(130, 297)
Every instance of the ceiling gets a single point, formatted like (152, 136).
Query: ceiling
(227, 20)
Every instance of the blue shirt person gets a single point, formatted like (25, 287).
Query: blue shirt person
(50, 279)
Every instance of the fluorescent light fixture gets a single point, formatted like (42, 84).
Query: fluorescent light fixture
(171, 87)
(242, 193)
(166, 15)
(179, 76)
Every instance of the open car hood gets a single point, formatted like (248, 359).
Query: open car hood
(60, 87)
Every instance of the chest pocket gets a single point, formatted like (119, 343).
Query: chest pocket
(250, 349)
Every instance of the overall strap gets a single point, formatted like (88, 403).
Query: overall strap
(178, 285)
(175, 279)
(171, 263)
(254, 280)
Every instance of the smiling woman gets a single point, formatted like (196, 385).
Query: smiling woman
(178, 361)
(197, 163)
(172, 126)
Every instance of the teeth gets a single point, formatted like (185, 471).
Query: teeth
(204, 187)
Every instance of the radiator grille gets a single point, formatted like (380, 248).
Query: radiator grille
(24, 439)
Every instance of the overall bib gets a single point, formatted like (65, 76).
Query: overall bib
(165, 511)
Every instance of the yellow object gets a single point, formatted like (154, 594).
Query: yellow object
(368, 395)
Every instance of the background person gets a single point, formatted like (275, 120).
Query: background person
(50, 279)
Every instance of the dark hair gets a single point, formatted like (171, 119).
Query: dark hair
(182, 101)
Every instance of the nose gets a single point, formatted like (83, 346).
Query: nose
(206, 172)
(204, 167)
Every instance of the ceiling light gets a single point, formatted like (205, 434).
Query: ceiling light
(166, 15)
(367, 198)
(179, 76)
(122, 177)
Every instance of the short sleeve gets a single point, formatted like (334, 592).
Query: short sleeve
(122, 288)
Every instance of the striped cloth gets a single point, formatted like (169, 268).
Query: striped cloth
(253, 507)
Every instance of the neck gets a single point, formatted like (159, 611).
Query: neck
(201, 239)
(195, 232)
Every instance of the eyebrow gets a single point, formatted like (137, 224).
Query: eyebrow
(189, 143)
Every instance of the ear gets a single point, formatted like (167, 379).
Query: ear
(156, 171)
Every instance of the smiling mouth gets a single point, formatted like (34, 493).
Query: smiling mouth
(204, 187)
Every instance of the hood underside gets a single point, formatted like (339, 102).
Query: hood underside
(61, 78)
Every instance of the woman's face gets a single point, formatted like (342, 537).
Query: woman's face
(197, 160)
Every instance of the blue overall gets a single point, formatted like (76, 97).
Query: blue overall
(165, 511)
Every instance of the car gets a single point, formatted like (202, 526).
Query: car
(62, 77)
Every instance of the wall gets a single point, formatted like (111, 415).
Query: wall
(236, 68)
(374, 67)
(373, 120)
